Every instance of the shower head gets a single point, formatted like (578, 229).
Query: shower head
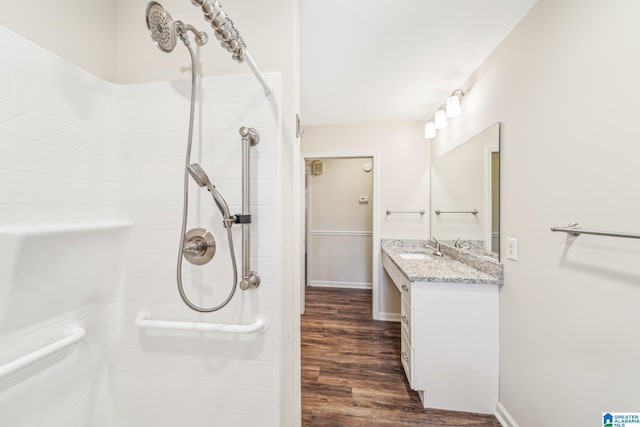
(161, 27)
(200, 177)
(165, 31)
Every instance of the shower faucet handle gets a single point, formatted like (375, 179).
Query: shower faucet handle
(199, 246)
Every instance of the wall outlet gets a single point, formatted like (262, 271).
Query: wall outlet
(512, 248)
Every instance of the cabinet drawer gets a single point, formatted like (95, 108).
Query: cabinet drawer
(405, 289)
(406, 356)
(406, 319)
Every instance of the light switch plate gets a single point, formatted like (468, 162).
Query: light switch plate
(363, 199)
(512, 248)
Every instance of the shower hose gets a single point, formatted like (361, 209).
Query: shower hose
(183, 295)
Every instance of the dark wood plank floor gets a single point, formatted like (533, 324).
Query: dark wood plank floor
(351, 369)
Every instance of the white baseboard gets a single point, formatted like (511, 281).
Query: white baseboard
(389, 317)
(503, 416)
(347, 285)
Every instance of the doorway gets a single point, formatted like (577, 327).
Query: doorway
(340, 237)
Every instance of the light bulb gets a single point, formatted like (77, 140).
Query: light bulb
(453, 106)
(440, 119)
(429, 130)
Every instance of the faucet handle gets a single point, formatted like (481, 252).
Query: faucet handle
(437, 252)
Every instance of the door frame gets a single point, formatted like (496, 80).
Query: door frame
(375, 253)
(488, 195)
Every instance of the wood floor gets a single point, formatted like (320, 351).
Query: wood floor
(351, 370)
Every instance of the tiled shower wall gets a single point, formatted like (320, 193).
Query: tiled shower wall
(75, 149)
(56, 167)
(168, 379)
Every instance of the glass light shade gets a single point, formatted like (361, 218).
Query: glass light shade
(429, 130)
(440, 119)
(453, 106)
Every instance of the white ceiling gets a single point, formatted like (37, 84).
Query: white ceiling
(370, 60)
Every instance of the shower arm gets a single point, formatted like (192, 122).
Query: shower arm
(250, 279)
(200, 36)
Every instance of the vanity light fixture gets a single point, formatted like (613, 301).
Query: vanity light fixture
(440, 118)
(454, 103)
(452, 108)
(430, 130)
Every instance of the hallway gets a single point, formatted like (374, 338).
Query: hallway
(351, 370)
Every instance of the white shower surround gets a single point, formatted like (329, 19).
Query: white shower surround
(77, 149)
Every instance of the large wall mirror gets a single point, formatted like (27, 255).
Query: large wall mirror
(465, 195)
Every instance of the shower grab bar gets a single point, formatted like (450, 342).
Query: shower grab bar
(576, 229)
(250, 279)
(421, 212)
(473, 211)
(72, 335)
(259, 325)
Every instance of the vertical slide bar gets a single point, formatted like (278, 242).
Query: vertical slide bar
(250, 279)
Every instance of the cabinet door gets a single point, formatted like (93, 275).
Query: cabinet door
(455, 333)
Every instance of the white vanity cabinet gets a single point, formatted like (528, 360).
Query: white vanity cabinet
(449, 345)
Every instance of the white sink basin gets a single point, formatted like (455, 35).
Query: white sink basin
(423, 257)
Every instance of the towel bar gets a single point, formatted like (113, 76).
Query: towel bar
(576, 229)
(473, 212)
(421, 212)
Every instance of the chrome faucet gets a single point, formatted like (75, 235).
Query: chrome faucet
(437, 251)
(459, 245)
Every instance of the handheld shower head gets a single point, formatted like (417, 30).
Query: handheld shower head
(200, 177)
(161, 27)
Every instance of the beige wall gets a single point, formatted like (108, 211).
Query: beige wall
(562, 84)
(109, 38)
(334, 196)
(266, 27)
(403, 177)
(82, 32)
(340, 226)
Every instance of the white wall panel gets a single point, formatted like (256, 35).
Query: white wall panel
(55, 171)
(340, 259)
(77, 149)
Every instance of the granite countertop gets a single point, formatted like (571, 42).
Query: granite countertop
(450, 268)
